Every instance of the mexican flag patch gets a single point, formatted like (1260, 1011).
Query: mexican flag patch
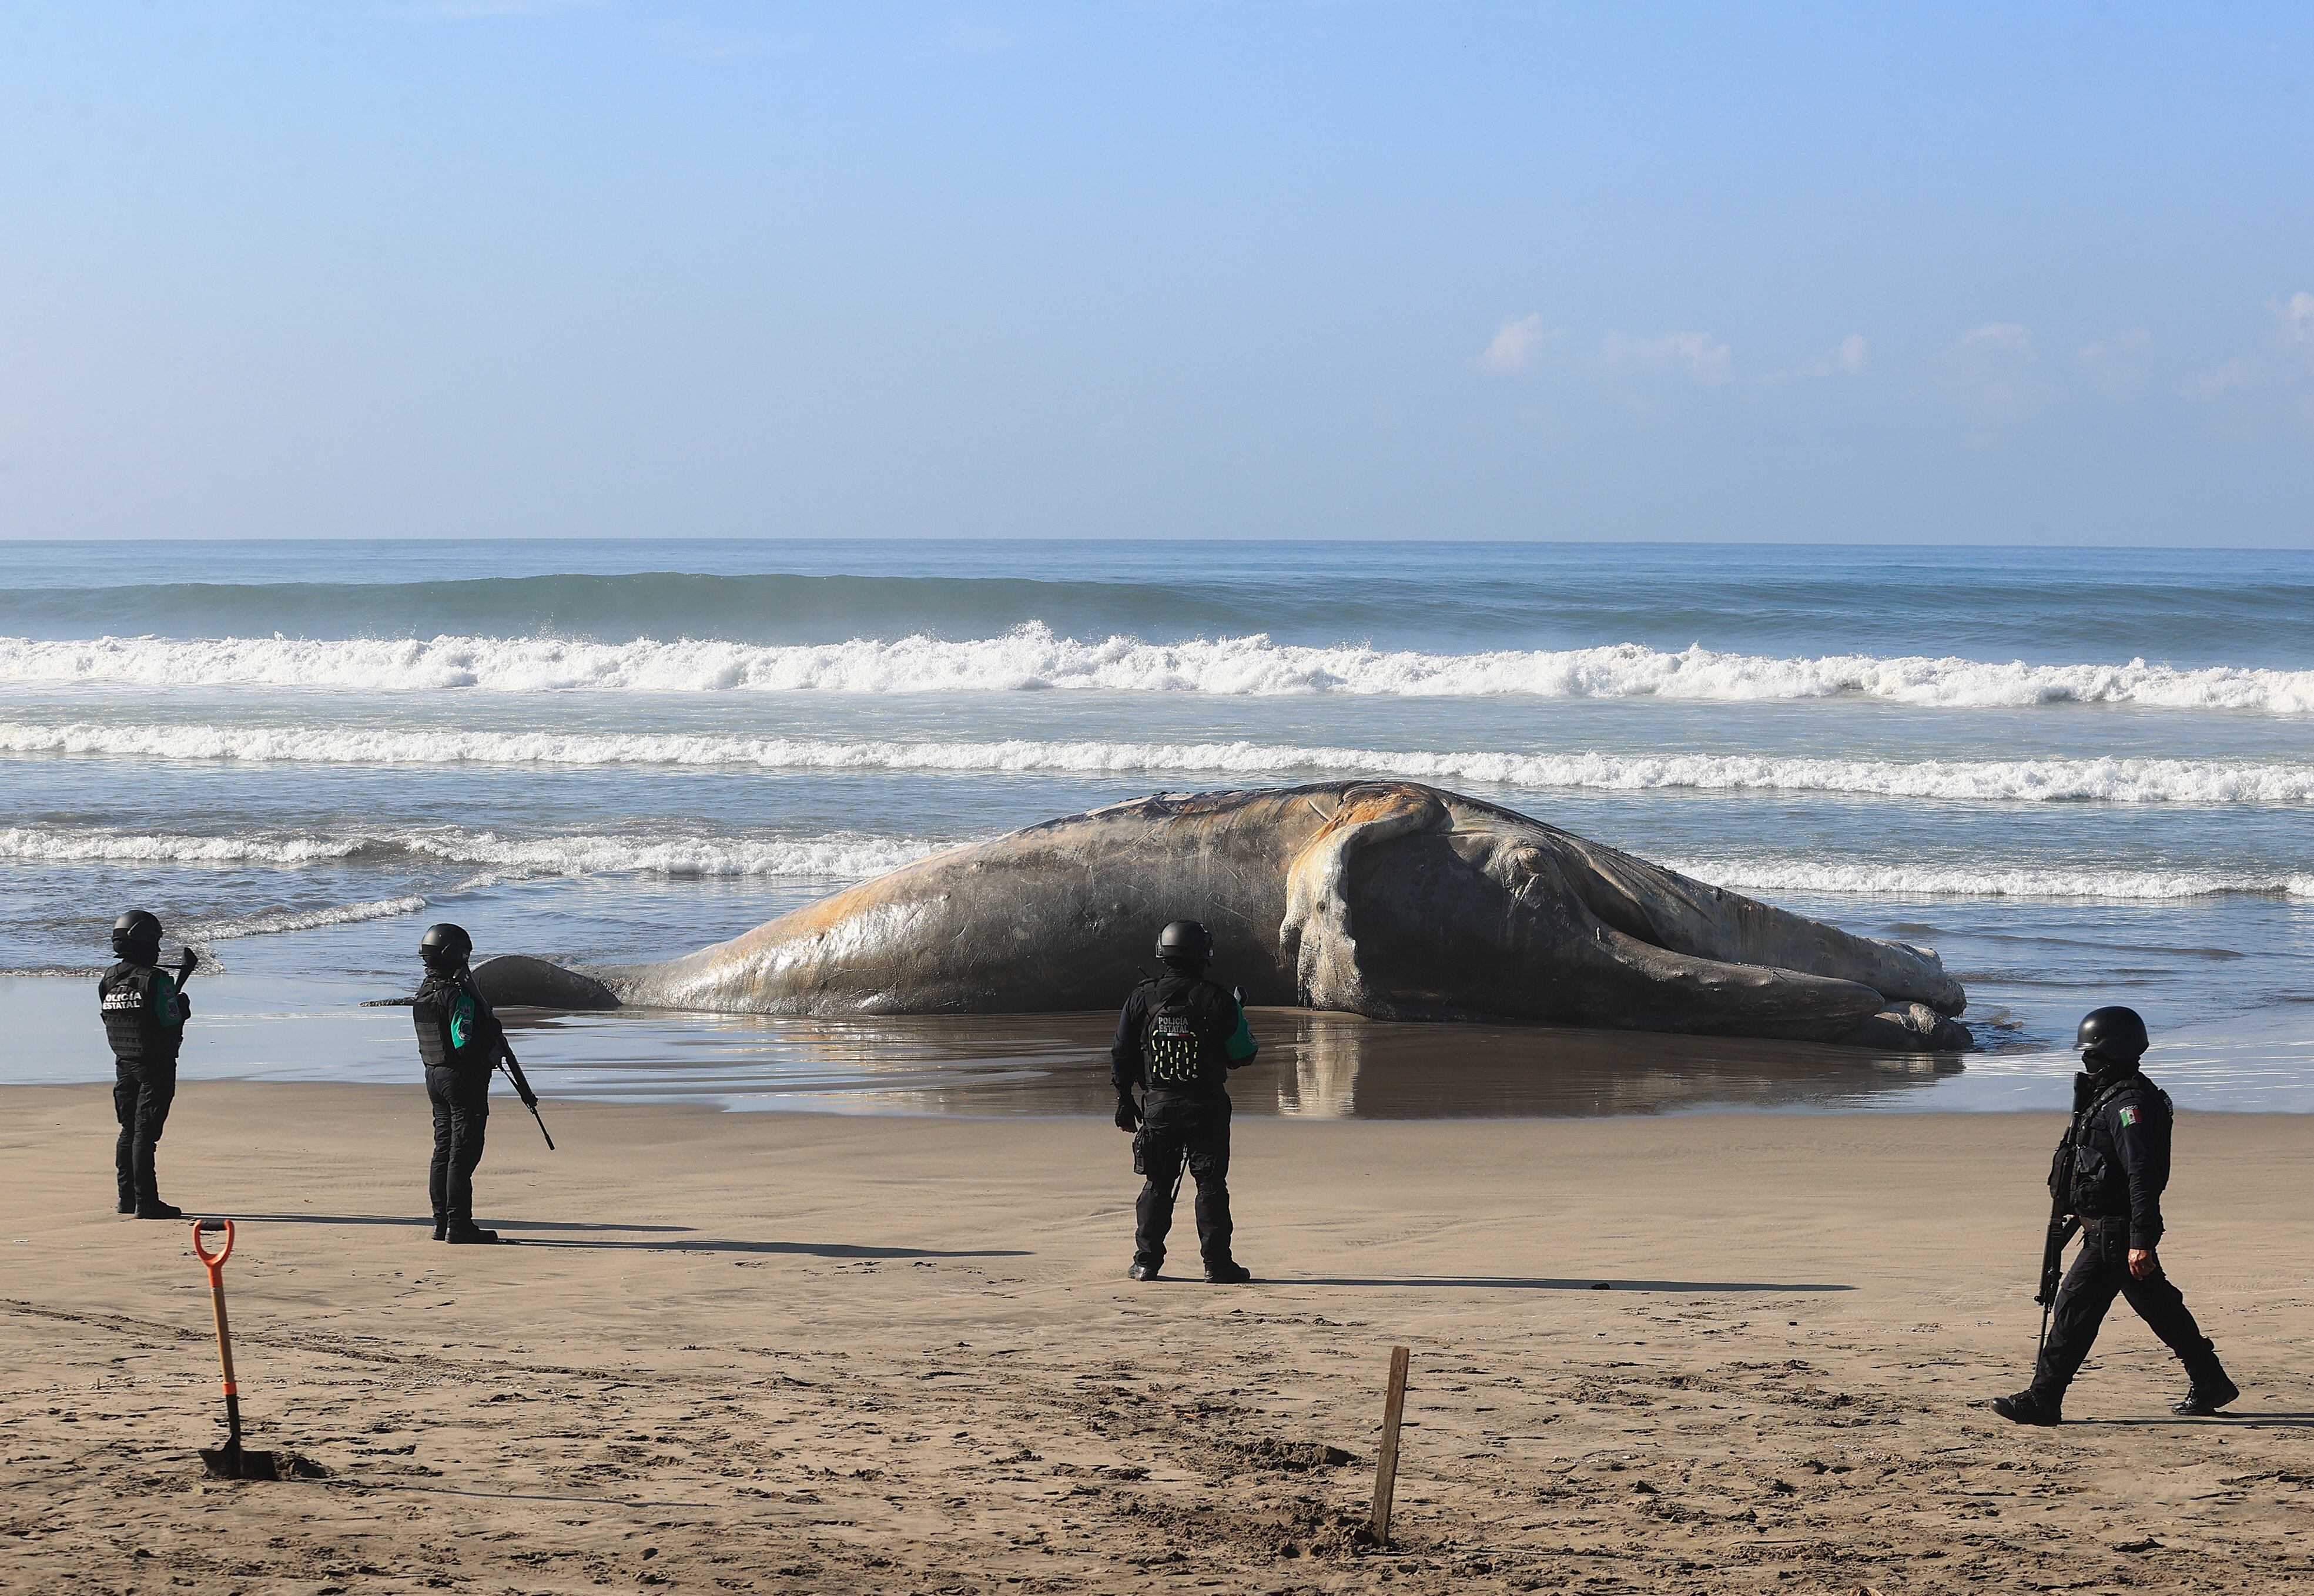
(2128, 1118)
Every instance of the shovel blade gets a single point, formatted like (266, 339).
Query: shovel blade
(233, 1461)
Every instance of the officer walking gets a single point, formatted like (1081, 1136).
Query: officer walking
(2119, 1140)
(145, 1017)
(1179, 1038)
(459, 1041)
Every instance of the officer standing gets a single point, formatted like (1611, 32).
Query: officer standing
(460, 1040)
(1179, 1038)
(2119, 1140)
(145, 1017)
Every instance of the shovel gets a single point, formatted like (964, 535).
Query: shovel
(231, 1460)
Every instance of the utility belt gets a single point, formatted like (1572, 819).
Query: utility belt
(465, 1070)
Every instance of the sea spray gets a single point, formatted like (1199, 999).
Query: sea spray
(2039, 781)
(1033, 657)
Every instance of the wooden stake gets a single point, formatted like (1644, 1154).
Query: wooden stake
(1394, 1409)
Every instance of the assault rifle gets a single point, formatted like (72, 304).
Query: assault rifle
(2062, 1226)
(512, 1068)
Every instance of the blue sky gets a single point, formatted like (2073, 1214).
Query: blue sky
(488, 268)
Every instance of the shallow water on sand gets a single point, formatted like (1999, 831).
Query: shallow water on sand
(1312, 1065)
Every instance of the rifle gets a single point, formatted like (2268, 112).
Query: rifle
(2062, 1226)
(512, 1068)
(184, 972)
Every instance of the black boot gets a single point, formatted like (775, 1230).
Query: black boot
(2210, 1393)
(470, 1235)
(441, 1229)
(1144, 1269)
(154, 1208)
(1227, 1272)
(2027, 1407)
(128, 1201)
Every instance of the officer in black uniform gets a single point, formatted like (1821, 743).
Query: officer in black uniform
(2119, 1140)
(1179, 1038)
(460, 1040)
(144, 1018)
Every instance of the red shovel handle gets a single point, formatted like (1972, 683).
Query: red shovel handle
(214, 1260)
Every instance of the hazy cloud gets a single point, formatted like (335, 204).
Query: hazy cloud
(1701, 355)
(1845, 358)
(1514, 343)
(1994, 376)
(2114, 364)
(2293, 324)
(2248, 394)
(2231, 376)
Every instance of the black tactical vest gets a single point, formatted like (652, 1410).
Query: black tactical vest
(130, 996)
(1179, 1051)
(2092, 1182)
(434, 1007)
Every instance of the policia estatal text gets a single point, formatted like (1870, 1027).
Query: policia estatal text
(2108, 1175)
(145, 1017)
(461, 1041)
(1178, 1039)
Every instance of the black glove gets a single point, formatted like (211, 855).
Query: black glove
(1128, 1116)
(184, 1008)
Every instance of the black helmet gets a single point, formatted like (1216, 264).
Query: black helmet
(138, 935)
(1185, 942)
(445, 947)
(2115, 1031)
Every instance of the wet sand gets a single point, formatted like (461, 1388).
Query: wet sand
(805, 1353)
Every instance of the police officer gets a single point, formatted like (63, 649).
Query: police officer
(2120, 1144)
(1179, 1038)
(460, 1040)
(144, 1018)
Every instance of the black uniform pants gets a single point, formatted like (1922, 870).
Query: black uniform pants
(141, 1095)
(1177, 1128)
(2098, 1274)
(462, 1113)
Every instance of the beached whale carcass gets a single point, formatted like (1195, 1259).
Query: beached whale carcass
(1384, 898)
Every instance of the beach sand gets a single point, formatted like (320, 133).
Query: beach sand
(798, 1352)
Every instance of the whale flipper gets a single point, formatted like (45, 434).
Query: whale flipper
(517, 981)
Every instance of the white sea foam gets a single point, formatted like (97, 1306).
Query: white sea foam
(280, 921)
(1992, 879)
(845, 857)
(2113, 780)
(1033, 657)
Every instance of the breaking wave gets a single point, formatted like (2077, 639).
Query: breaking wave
(1768, 878)
(280, 921)
(2044, 781)
(1032, 657)
(840, 857)
(845, 857)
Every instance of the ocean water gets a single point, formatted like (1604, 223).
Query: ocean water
(2085, 776)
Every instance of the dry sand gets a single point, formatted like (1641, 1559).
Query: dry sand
(788, 1353)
